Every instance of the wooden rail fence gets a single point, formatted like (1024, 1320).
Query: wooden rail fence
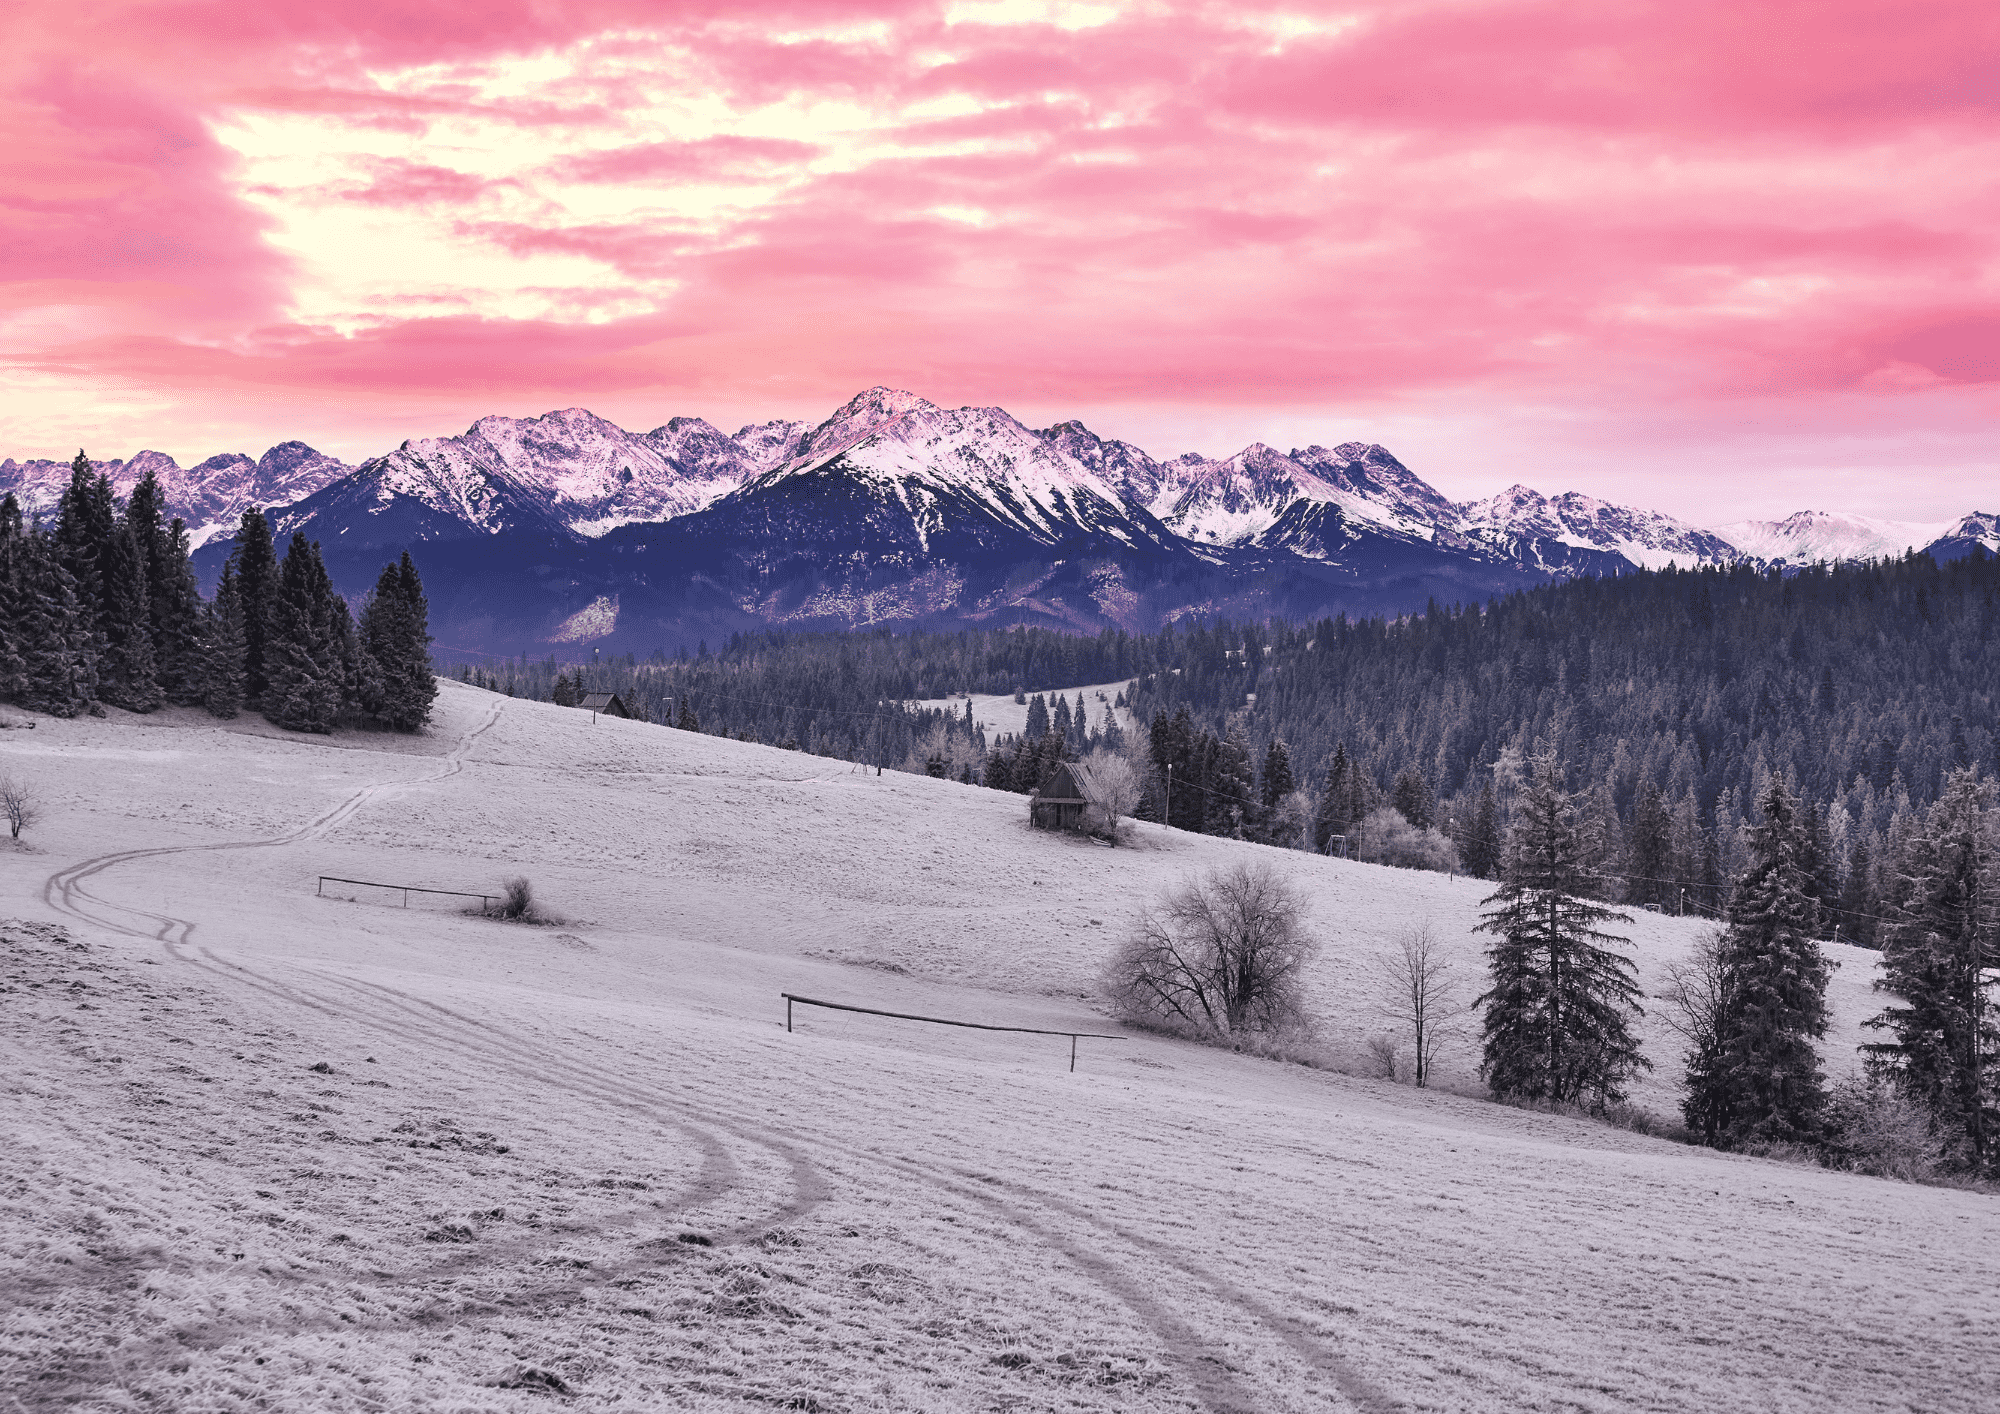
(485, 900)
(791, 999)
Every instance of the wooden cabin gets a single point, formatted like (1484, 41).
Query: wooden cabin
(1065, 793)
(608, 704)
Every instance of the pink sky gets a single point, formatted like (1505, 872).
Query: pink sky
(1720, 259)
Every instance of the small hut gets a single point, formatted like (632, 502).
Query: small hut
(1066, 792)
(608, 704)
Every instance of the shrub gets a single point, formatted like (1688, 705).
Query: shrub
(1221, 956)
(1873, 1128)
(1385, 837)
(517, 900)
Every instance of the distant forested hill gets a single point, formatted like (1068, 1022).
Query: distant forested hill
(1669, 696)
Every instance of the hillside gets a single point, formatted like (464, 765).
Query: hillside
(490, 1188)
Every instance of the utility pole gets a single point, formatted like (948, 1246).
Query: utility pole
(1170, 797)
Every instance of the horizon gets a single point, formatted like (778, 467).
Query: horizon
(1657, 256)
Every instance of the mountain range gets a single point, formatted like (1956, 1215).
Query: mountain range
(567, 529)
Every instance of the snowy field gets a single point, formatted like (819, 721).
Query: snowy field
(1001, 715)
(273, 1150)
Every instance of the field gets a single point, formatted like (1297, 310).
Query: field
(272, 1148)
(999, 714)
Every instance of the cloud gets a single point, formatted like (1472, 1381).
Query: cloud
(1647, 213)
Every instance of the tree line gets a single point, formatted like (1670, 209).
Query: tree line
(1676, 697)
(102, 607)
(813, 693)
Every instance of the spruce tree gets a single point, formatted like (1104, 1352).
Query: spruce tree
(13, 591)
(145, 514)
(1938, 963)
(174, 600)
(58, 644)
(177, 616)
(1766, 1077)
(304, 662)
(85, 518)
(1059, 719)
(1277, 780)
(222, 650)
(255, 562)
(1231, 791)
(1558, 1008)
(1412, 799)
(1857, 898)
(1479, 844)
(1649, 850)
(1331, 819)
(1038, 717)
(127, 674)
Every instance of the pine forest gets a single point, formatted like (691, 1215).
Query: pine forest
(101, 608)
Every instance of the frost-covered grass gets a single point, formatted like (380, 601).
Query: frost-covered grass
(999, 714)
(890, 1216)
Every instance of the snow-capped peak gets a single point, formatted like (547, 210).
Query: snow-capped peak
(859, 418)
(1811, 536)
(1522, 517)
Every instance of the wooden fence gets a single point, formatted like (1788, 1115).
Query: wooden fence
(791, 999)
(485, 900)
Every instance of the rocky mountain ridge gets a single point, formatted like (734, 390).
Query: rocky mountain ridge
(210, 496)
(566, 527)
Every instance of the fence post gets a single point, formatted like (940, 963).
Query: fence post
(788, 1013)
(1072, 1055)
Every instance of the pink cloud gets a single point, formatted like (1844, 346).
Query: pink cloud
(723, 156)
(399, 182)
(1622, 208)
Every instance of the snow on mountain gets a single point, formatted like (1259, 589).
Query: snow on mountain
(210, 496)
(1232, 502)
(1136, 475)
(769, 444)
(1981, 529)
(1537, 529)
(1391, 493)
(569, 473)
(1812, 536)
(940, 466)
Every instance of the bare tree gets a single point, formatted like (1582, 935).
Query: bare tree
(1698, 1002)
(1222, 955)
(1115, 783)
(18, 803)
(1420, 991)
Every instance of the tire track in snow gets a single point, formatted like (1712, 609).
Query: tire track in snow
(1214, 1381)
(721, 1175)
(65, 891)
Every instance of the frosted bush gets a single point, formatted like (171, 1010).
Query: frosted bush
(1385, 837)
